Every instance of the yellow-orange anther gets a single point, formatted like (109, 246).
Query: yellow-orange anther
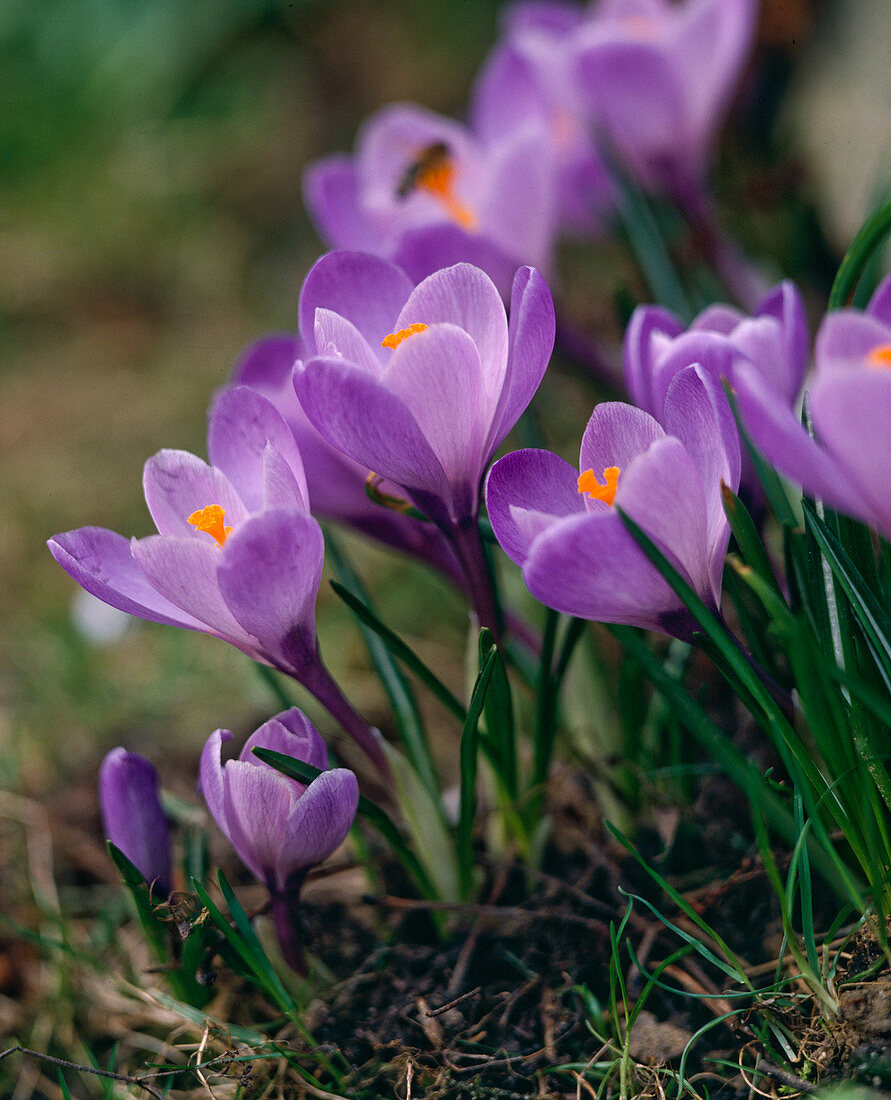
(880, 356)
(589, 484)
(394, 339)
(210, 519)
(438, 180)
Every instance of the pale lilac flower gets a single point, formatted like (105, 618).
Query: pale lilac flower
(279, 827)
(849, 402)
(527, 76)
(422, 384)
(336, 483)
(656, 77)
(425, 192)
(774, 341)
(237, 554)
(132, 816)
(561, 527)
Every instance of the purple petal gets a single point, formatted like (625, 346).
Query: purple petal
(519, 213)
(211, 779)
(177, 484)
(506, 94)
(464, 296)
(281, 488)
(266, 364)
(846, 338)
(102, 562)
(438, 376)
(258, 802)
(299, 739)
(531, 333)
(335, 335)
(361, 417)
(525, 492)
(776, 431)
(880, 303)
(184, 571)
(364, 289)
(615, 434)
(785, 303)
(242, 425)
(132, 815)
(318, 823)
(269, 576)
(718, 318)
(332, 195)
(852, 418)
(424, 250)
(313, 749)
(648, 335)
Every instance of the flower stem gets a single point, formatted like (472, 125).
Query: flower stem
(468, 545)
(319, 681)
(286, 918)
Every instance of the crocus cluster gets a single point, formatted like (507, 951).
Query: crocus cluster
(648, 80)
(280, 828)
(849, 404)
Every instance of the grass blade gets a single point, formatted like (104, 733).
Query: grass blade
(469, 758)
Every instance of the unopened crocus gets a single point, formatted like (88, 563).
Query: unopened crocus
(561, 524)
(338, 485)
(849, 402)
(279, 827)
(425, 192)
(237, 554)
(773, 341)
(132, 816)
(656, 78)
(421, 384)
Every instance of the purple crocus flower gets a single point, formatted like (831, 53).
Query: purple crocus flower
(279, 827)
(132, 817)
(336, 483)
(560, 525)
(526, 76)
(849, 401)
(656, 77)
(237, 554)
(425, 192)
(774, 341)
(422, 384)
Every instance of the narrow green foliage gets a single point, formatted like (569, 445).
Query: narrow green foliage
(868, 241)
(468, 758)
(500, 739)
(399, 693)
(148, 910)
(401, 651)
(748, 540)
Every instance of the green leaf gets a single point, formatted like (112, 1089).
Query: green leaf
(402, 651)
(869, 612)
(500, 739)
(468, 759)
(147, 911)
(402, 701)
(749, 541)
(867, 242)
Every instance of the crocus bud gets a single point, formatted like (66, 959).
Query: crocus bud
(132, 815)
(280, 827)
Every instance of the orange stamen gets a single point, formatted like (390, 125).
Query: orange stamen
(438, 180)
(210, 519)
(589, 484)
(394, 339)
(880, 356)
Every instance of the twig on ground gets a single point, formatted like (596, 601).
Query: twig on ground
(65, 1064)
